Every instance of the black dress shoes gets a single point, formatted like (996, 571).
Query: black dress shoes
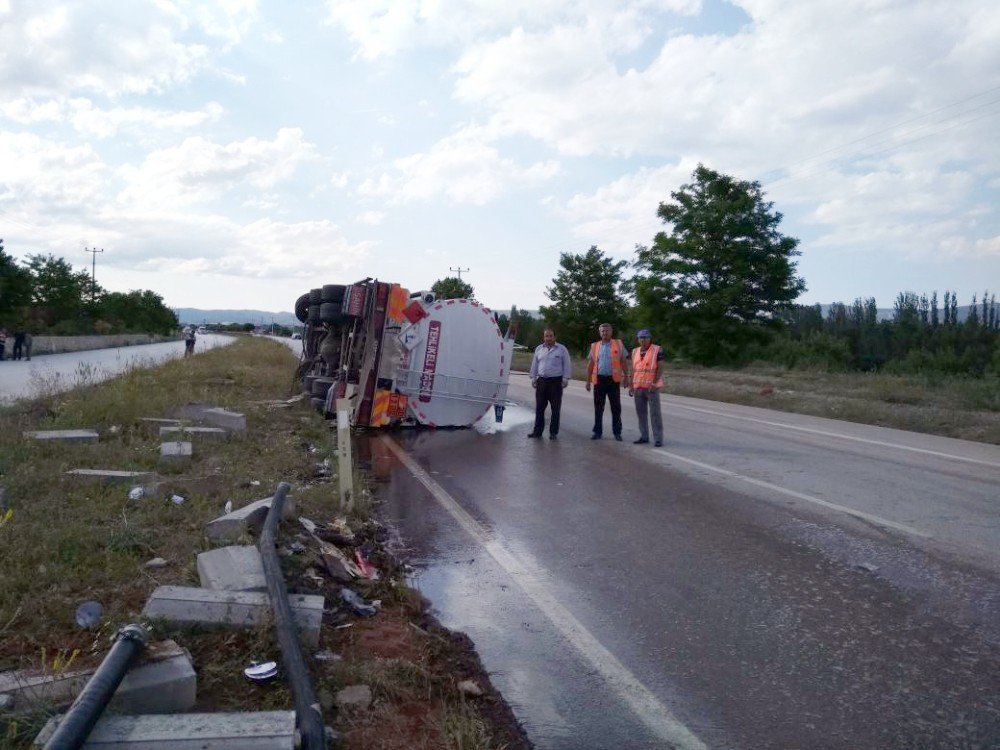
(640, 441)
(534, 434)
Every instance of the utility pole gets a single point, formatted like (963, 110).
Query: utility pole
(459, 270)
(93, 271)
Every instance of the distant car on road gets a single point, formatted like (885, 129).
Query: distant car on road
(202, 330)
(297, 336)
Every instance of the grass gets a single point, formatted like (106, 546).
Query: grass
(967, 408)
(64, 542)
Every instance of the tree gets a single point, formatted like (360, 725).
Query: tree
(58, 290)
(15, 289)
(585, 293)
(718, 279)
(452, 287)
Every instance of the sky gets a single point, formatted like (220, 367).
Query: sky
(236, 154)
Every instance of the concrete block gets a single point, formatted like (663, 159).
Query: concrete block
(259, 730)
(242, 609)
(153, 424)
(163, 681)
(110, 476)
(158, 687)
(215, 415)
(175, 456)
(232, 569)
(64, 436)
(58, 689)
(204, 434)
(232, 526)
(229, 420)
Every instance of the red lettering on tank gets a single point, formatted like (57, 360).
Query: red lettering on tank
(430, 361)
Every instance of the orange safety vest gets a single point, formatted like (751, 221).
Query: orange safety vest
(644, 367)
(616, 359)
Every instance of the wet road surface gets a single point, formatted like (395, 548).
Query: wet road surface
(764, 580)
(52, 373)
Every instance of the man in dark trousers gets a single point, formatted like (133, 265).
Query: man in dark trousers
(550, 372)
(607, 370)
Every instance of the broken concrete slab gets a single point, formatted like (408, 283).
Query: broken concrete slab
(257, 730)
(153, 424)
(185, 605)
(175, 456)
(178, 432)
(237, 568)
(162, 682)
(164, 686)
(216, 415)
(110, 476)
(232, 526)
(64, 436)
(229, 420)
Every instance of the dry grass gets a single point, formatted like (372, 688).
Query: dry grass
(966, 408)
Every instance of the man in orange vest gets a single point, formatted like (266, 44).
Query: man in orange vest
(646, 385)
(607, 369)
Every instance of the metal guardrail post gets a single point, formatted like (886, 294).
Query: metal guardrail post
(345, 466)
(307, 711)
(76, 725)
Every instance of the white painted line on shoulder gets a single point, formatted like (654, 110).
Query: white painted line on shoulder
(877, 520)
(646, 706)
(828, 433)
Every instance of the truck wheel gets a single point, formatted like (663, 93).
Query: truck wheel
(333, 293)
(302, 308)
(315, 296)
(329, 312)
(314, 315)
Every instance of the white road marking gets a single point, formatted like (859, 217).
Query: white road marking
(656, 716)
(878, 520)
(841, 436)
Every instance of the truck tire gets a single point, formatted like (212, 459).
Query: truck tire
(333, 293)
(302, 308)
(315, 296)
(314, 316)
(329, 312)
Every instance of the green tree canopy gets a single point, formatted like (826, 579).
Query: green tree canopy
(15, 289)
(585, 293)
(452, 287)
(58, 291)
(722, 273)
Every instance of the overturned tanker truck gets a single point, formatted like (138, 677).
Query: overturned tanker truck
(401, 358)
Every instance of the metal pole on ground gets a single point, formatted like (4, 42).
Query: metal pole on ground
(307, 711)
(90, 704)
(345, 470)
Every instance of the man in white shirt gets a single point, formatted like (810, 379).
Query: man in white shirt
(550, 372)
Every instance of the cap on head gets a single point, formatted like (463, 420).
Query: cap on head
(643, 334)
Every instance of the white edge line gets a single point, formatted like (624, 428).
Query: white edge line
(827, 433)
(878, 520)
(646, 706)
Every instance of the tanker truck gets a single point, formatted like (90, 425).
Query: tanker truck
(402, 359)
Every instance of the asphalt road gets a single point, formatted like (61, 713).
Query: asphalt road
(764, 580)
(52, 373)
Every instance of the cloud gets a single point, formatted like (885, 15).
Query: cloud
(464, 166)
(199, 170)
(383, 28)
(102, 47)
(371, 218)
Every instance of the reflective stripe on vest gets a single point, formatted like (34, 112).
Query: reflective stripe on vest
(644, 367)
(616, 359)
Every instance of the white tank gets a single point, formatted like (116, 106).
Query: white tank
(455, 364)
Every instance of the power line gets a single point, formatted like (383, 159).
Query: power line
(459, 270)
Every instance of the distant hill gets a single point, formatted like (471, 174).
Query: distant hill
(257, 317)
